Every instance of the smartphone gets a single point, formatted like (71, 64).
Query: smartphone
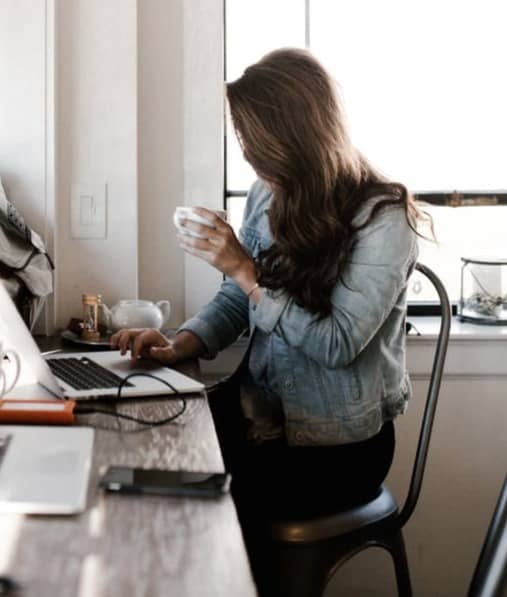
(124, 479)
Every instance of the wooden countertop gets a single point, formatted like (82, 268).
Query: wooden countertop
(129, 545)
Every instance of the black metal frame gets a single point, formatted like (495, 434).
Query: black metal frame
(310, 551)
(438, 198)
(428, 309)
(462, 198)
(490, 576)
(432, 397)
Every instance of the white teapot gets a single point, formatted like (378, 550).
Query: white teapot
(136, 314)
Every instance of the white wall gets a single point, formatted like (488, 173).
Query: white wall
(160, 147)
(180, 132)
(180, 142)
(22, 107)
(465, 470)
(27, 143)
(203, 131)
(139, 107)
(97, 144)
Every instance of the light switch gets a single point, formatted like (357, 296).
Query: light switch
(88, 210)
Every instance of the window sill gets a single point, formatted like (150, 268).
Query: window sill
(474, 351)
(460, 331)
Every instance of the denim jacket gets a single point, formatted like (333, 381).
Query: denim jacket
(340, 378)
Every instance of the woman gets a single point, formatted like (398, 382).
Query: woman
(319, 277)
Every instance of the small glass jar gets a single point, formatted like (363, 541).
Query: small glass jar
(483, 291)
(91, 304)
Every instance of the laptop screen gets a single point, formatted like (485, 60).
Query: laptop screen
(14, 335)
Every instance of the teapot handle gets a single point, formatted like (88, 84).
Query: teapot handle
(165, 307)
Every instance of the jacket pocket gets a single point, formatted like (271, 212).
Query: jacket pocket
(338, 390)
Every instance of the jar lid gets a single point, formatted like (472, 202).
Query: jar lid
(485, 260)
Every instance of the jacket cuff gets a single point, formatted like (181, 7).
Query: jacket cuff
(268, 311)
(205, 333)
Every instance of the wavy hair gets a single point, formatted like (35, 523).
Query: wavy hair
(291, 126)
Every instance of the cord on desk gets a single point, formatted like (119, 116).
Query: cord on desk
(219, 383)
(88, 410)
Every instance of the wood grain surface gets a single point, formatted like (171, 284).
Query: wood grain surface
(126, 546)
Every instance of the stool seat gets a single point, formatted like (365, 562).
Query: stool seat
(379, 510)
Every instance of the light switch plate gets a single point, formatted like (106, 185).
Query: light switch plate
(88, 210)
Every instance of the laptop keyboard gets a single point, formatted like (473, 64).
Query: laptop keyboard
(84, 374)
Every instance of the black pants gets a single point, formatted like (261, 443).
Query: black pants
(274, 481)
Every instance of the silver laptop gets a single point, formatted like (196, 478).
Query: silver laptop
(83, 376)
(44, 470)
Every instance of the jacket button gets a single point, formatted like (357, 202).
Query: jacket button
(288, 384)
(299, 436)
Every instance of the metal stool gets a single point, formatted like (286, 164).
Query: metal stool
(310, 551)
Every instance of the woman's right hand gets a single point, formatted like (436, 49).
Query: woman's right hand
(145, 343)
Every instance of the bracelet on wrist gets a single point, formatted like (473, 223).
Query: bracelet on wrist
(254, 287)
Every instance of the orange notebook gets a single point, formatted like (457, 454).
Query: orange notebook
(37, 412)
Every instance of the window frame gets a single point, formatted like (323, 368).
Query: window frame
(446, 198)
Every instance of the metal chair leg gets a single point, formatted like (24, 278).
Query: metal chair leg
(396, 547)
(306, 570)
(302, 571)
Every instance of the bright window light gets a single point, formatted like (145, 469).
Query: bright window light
(254, 28)
(424, 86)
(425, 95)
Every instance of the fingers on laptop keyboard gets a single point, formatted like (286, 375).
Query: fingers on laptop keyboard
(122, 339)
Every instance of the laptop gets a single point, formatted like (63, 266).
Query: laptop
(84, 375)
(44, 470)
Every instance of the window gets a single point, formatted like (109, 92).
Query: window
(253, 28)
(424, 91)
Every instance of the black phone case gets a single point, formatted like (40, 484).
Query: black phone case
(115, 486)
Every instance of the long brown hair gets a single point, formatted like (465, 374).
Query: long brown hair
(291, 127)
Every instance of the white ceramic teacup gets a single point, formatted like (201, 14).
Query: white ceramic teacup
(188, 213)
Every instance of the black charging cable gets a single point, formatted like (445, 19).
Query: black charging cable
(86, 410)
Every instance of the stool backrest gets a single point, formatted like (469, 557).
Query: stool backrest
(490, 576)
(432, 397)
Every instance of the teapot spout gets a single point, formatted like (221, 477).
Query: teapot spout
(165, 308)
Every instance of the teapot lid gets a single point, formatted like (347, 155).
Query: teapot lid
(139, 302)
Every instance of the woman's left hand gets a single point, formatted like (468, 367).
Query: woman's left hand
(220, 247)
